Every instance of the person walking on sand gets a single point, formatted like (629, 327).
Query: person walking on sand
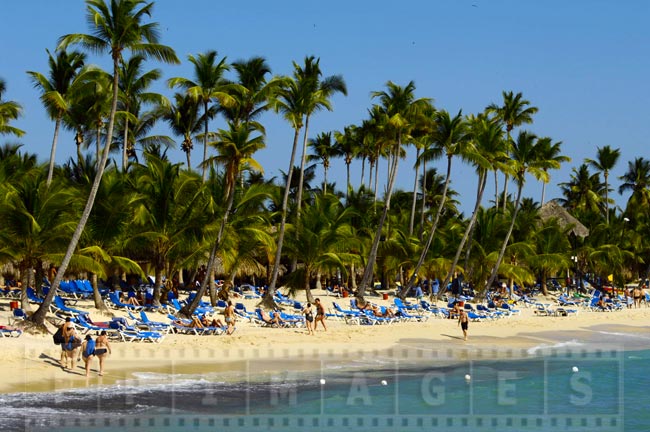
(102, 350)
(69, 344)
(320, 315)
(309, 318)
(88, 352)
(229, 314)
(463, 322)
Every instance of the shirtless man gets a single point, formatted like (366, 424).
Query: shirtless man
(275, 321)
(463, 322)
(102, 350)
(229, 314)
(320, 315)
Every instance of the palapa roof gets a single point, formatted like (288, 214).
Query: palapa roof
(552, 210)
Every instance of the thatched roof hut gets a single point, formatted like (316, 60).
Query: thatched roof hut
(552, 210)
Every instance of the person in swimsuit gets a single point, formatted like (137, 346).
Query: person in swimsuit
(88, 352)
(229, 314)
(102, 350)
(463, 322)
(276, 321)
(320, 315)
(70, 344)
(309, 318)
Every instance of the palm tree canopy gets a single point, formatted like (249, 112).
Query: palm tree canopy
(117, 25)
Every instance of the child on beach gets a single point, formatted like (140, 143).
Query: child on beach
(309, 318)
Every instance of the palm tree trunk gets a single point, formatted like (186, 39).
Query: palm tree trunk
(432, 233)
(125, 144)
(505, 191)
(376, 177)
(496, 189)
(189, 309)
(347, 182)
(415, 194)
(310, 296)
(363, 169)
(205, 142)
(268, 297)
(470, 241)
(303, 159)
(98, 144)
(97, 297)
(50, 170)
(325, 180)
(495, 270)
(543, 192)
(368, 272)
(481, 188)
(424, 199)
(39, 316)
(606, 174)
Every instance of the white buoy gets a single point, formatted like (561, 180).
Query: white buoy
(468, 377)
(383, 382)
(575, 369)
(322, 381)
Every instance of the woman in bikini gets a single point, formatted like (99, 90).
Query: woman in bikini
(102, 350)
(309, 318)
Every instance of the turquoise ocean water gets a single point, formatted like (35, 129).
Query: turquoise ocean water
(572, 389)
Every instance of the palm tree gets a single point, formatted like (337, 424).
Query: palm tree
(526, 159)
(290, 101)
(322, 240)
(451, 138)
(583, 193)
(514, 112)
(317, 96)
(606, 159)
(36, 219)
(485, 136)
(251, 91)
(236, 147)
(171, 209)
(64, 68)
(324, 150)
(184, 120)
(133, 93)
(9, 110)
(117, 27)
(400, 110)
(550, 152)
(347, 146)
(209, 84)
(637, 180)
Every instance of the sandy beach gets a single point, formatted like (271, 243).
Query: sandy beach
(31, 361)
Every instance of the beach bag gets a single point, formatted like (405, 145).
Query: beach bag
(58, 337)
(71, 344)
(90, 348)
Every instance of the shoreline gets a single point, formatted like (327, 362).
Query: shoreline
(271, 350)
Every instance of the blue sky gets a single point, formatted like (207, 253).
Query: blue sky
(583, 63)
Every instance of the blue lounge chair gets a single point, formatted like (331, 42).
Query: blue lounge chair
(10, 331)
(60, 308)
(31, 295)
(115, 301)
(401, 305)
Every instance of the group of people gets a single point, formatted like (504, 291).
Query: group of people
(311, 320)
(73, 348)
